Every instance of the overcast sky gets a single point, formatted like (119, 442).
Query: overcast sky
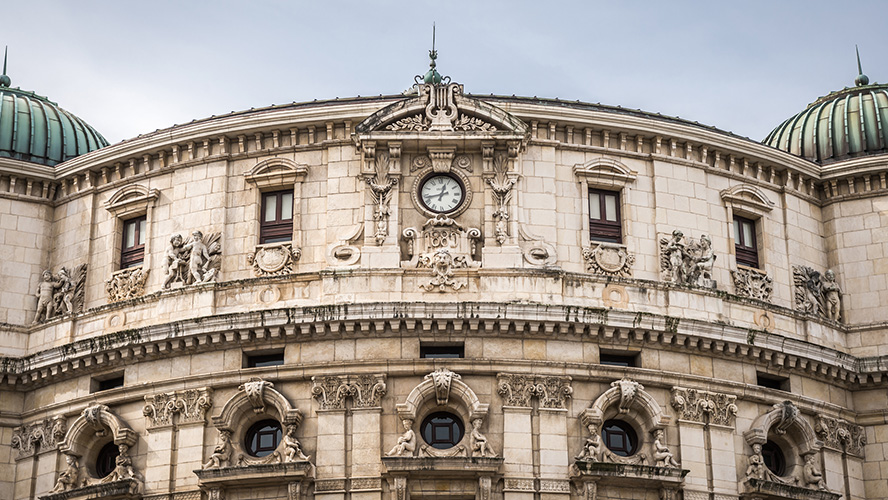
(128, 68)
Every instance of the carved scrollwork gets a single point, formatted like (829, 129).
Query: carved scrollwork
(126, 284)
(331, 391)
(695, 405)
(501, 184)
(442, 265)
(255, 392)
(753, 284)
(517, 390)
(609, 259)
(381, 186)
(840, 435)
(628, 390)
(39, 436)
(274, 259)
(442, 378)
(190, 405)
(469, 123)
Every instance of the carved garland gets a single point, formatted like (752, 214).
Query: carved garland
(501, 184)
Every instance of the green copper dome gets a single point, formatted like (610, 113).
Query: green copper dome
(845, 124)
(34, 129)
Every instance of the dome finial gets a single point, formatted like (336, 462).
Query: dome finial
(432, 76)
(861, 79)
(4, 80)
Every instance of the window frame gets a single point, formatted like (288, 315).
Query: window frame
(133, 256)
(456, 424)
(630, 436)
(256, 431)
(746, 254)
(279, 230)
(601, 229)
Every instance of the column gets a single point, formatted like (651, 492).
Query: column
(330, 482)
(366, 464)
(554, 458)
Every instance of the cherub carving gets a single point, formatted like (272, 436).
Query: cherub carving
(175, 261)
(832, 296)
(662, 456)
(811, 475)
(45, 302)
(293, 450)
(221, 456)
(480, 446)
(69, 479)
(406, 442)
(124, 466)
(592, 447)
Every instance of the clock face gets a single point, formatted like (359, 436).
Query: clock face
(441, 193)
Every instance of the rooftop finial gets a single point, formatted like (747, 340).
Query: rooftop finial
(432, 76)
(861, 79)
(4, 80)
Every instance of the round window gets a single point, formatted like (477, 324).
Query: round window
(773, 458)
(442, 430)
(619, 437)
(107, 459)
(263, 438)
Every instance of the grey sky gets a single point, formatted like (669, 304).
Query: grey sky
(129, 68)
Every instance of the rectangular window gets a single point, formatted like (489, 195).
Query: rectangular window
(106, 382)
(442, 350)
(261, 360)
(132, 248)
(276, 224)
(772, 381)
(744, 242)
(627, 359)
(604, 216)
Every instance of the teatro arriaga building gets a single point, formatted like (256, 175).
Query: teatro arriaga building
(436, 295)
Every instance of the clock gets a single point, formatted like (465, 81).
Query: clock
(441, 193)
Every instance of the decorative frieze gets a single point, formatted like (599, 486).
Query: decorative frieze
(274, 259)
(126, 284)
(195, 261)
(752, 283)
(695, 405)
(840, 435)
(517, 390)
(190, 405)
(37, 437)
(60, 294)
(687, 262)
(609, 259)
(816, 294)
(331, 391)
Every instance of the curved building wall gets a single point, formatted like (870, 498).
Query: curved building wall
(362, 290)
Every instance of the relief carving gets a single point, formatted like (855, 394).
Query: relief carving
(591, 451)
(191, 405)
(71, 478)
(421, 162)
(126, 284)
(628, 390)
(406, 442)
(331, 391)
(609, 259)
(442, 264)
(442, 246)
(517, 390)
(274, 259)
(221, 456)
(478, 441)
(753, 284)
(255, 391)
(343, 252)
(193, 262)
(687, 263)
(381, 186)
(443, 379)
(123, 466)
(501, 184)
(816, 294)
(840, 435)
(60, 294)
(292, 446)
(40, 436)
(695, 405)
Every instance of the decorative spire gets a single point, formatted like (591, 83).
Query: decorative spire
(432, 76)
(861, 79)
(4, 80)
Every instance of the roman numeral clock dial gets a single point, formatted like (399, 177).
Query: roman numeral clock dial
(441, 193)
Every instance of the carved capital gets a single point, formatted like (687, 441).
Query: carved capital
(840, 434)
(517, 390)
(37, 437)
(331, 391)
(190, 405)
(695, 405)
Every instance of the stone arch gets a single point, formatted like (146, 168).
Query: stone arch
(787, 422)
(276, 172)
(96, 421)
(605, 173)
(131, 200)
(256, 397)
(442, 385)
(748, 198)
(631, 399)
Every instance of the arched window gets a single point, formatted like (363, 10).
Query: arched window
(107, 459)
(263, 438)
(442, 430)
(773, 458)
(619, 437)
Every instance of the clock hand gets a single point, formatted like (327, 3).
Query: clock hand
(443, 192)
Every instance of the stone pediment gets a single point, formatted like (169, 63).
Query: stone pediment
(443, 111)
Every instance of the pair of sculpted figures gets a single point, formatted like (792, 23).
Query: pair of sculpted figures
(191, 262)
(593, 450)
(811, 476)
(689, 263)
(221, 456)
(71, 478)
(60, 294)
(407, 442)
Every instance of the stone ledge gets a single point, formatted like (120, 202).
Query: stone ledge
(255, 474)
(769, 490)
(452, 466)
(126, 489)
(645, 476)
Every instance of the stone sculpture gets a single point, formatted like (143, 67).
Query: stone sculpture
(175, 261)
(817, 294)
(687, 263)
(757, 469)
(501, 188)
(60, 294)
(381, 184)
(406, 442)
(811, 475)
(480, 446)
(292, 447)
(221, 456)
(126, 284)
(442, 263)
(123, 466)
(69, 479)
(592, 448)
(662, 456)
(753, 284)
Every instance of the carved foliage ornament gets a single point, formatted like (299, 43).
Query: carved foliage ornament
(501, 184)
(442, 378)
(37, 437)
(695, 405)
(687, 262)
(817, 294)
(441, 113)
(191, 405)
(841, 435)
(381, 186)
(60, 294)
(255, 391)
(628, 390)
(609, 259)
(331, 391)
(195, 261)
(275, 259)
(423, 161)
(126, 284)
(517, 390)
(753, 284)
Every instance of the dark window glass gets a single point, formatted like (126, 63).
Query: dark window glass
(132, 248)
(262, 360)
(772, 381)
(442, 351)
(107, 459)
(618, 359)
(619, 437)
(442, 430)
(111, 383)
(263, 438)
(276, 220)
(744, 242)
(773, 457)
(604, 216)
